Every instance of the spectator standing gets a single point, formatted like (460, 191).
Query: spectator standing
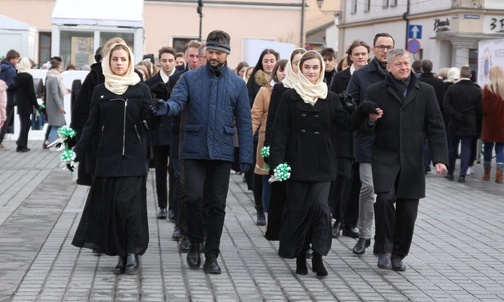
(26, 102)
(462, 104)
(330, 63)
(492, 132)
(7, 74)
(55, 105)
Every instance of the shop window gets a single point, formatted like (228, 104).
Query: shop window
(129, 38)
(180, 43)
(76, 47)
(44, 47)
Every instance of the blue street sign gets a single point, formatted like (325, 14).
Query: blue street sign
(414, 31)
(413, 46)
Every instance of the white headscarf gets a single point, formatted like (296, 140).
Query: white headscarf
(290, 77)
(24, 65)
(308, 91)
(119, 84)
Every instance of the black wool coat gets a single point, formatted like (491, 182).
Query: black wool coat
(117, 121)
(397, 153)
(302, 135)
(26, 99)
(463, 107)
(343, 138)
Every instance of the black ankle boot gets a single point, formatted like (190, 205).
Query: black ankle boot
(318, 265)
(131, 263)
(121, 266)
(193, 256)
(301, 268)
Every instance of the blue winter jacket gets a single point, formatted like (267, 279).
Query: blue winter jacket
(212, 101)
(7, 74)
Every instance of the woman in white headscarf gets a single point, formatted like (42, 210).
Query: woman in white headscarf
(114, 221)
(302, 139)
(26, 101)
(55, 104)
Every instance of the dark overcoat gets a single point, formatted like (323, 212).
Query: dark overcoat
(462, 104)
(302, 135)
(397, 154)
(25, 93)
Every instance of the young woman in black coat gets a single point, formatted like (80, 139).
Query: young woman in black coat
(26, 102)
(302, 139)
(114, 220)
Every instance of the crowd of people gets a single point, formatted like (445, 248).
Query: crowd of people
(358, 135)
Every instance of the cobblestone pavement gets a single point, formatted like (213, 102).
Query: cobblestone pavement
(457, 251)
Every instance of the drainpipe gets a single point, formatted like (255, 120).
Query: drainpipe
(405, 18)
(301, 40)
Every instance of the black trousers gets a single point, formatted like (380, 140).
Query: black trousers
(394, 225)
(9, 112)
(25, 124)
(344, 196)
(164, 167)
(216, 176)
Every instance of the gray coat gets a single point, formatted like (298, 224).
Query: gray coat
(54, 101)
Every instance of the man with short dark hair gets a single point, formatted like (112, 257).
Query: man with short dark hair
(213, 98)
(409, 109)
(8, 72)
(417, 67)
(329, 56)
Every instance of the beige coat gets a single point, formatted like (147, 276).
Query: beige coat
(259, 113)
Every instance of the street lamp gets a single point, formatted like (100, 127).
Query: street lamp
(199, 10)
(320, 4)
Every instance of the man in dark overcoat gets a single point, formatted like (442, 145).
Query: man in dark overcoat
(410, 111)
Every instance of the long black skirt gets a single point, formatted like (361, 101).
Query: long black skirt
(277, 202)
(306, 219)
(114, 220)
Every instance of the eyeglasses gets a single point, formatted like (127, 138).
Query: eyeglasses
(382, 48)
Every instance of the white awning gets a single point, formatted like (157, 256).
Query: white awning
(7, 23)
(123, 13)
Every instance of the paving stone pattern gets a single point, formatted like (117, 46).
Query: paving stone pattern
(457, 251)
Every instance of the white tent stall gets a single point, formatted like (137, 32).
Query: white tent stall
(16, 35)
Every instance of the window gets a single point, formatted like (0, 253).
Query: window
(367, 5)
(76, 47)
(385, 3)
(393, 2)
(354, 6)
(44, 47)
(180, 43)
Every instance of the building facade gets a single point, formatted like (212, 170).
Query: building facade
(446, 32)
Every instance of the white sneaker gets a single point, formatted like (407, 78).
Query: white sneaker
(469, 171)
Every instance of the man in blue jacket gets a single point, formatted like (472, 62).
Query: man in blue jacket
(7, 74)
(212, 96)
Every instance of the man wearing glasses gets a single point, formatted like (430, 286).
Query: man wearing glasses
(361, 79)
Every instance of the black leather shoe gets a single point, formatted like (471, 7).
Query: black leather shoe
(336, 229)
(171, 215)
(211, 266)
(131, 263)
(184, 245)
(398, 265)
(384, 261)
(261, 219)
(193, 256)
(461, 179)
(162, 213)
(318, 266)
(350, 231)
(121, 266)
(301, 268)
(361, 245)
(176, 233)
(448, 176)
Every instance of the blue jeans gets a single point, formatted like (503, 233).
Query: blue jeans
(499, 153)
(465, 153)
(53, 134)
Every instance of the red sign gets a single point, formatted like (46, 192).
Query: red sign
(413, 46)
